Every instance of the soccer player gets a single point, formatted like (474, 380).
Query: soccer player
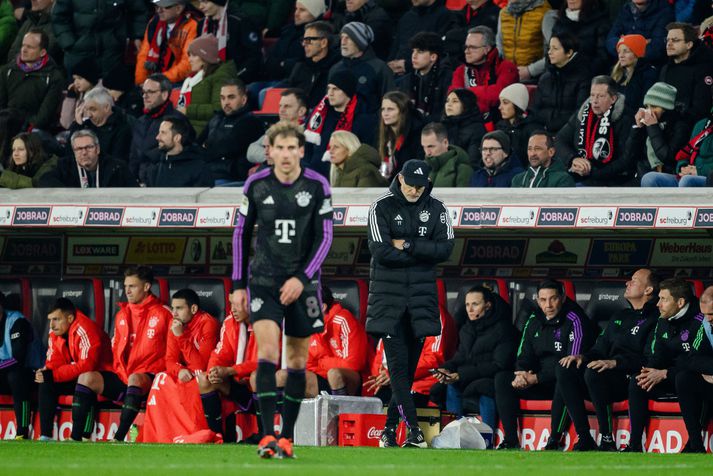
(76, 345)
(139, 350)
(293, 210)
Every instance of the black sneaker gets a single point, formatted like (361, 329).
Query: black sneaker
(688, 448)
(508, 445)
(607, 444)
(585, 443)
(553, 444)
(415, 439)
(388, 438)
(631, 449)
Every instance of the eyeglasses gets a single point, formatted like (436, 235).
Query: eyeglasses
(310, 39)
(488, 150)
(86, 148)
(148, 92)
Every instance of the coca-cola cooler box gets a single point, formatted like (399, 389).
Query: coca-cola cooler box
(318, 421)
(365, 430)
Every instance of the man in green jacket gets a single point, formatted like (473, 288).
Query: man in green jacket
(544, 171)
(450, 165)
(32, 83)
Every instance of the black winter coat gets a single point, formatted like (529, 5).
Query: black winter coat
(435, 18)
(544, 342)
(428, 93)
(666, 143)
(560, 92)
(187, 169)
(226, 139)
(643, 78)
(692, 78)
(380, 22)
(624, 338)
(286, 52)
(374, 77)
(404, 281)
(312, 77)
(466, 131)
(112, 173)
(114, 136)
(486, 346)
(519, 134)
(592, 35)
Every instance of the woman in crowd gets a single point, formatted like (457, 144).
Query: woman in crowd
(26, 164)
(516, 122)
(200, 93)
(85, 75)
(632, 72)
(399, 133)
(465, 123)
(353, 164)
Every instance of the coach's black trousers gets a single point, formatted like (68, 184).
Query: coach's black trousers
(639, 406)
(694, 395)
(604, 389)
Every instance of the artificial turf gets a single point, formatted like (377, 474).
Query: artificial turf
(104, 459)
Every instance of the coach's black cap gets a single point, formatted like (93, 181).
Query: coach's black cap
(416, 172)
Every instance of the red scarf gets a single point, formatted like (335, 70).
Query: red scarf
(480, 75)
(707, 37)
(32, 67)
(690, 150)
(596, 136)
(221, 32)
(159, 52)
(344, 123)
(388, 165)
(157, 112)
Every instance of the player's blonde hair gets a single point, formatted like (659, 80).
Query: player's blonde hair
(286, 129)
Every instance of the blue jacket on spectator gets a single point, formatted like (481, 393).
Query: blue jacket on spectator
(502, 178)
(651, 23)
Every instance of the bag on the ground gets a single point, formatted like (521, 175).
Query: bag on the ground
(465, 433)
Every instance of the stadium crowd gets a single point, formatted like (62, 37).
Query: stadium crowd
(491, 93)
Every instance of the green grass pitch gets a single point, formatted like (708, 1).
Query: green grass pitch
(105, 459)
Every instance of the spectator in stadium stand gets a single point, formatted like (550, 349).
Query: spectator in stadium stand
(450, 165)
(593, 142)
(500, 166)
(342, 109)
(120, 84)
(399, 133)
(164, 48)
(553, 335)
(8, 27)
(659, 132)
(465, 124)
(200, 93)
(410, 232)
(564, 86)
(290, 47)
(516, 122)
(32, 83)
(139, 347)
(86, 75)
(97, 30)
(310, 74)
(427, 83)
(337, 356)
(694, 381)
(486, 345)
(588, 22)
(76, 345)
(230, 366)
(155, 91)
(293, 108)
(632, 71)
(353, 164)
(372, 14)
(647, 18)
(477, 13)
(672, 341)
(618, 352)
(109, 123)
(181, 163)
(87, 167)
(543, 171)
(689, 69)
(27, 163)
(267, 16)
(374, 78)
(16, 354)
(706, 35)
(520, 38)
(238, 39)
(484, 72)
(424, 15)
(39, 15)
(229, 133)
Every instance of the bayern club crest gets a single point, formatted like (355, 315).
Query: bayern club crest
(153, 322)
(303, 198)
(424, 216)
(256, 304)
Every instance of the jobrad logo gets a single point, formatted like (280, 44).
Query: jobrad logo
(177, 217)
(31, 216)
(704, 218)
(635, 217)
(479, 216)
(104, 216)
(340, 215)
(557, 217)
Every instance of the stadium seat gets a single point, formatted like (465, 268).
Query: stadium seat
(531, 88)
(697, 287)
(455, 5)
(18, 295)
(524, 298)
(271, 104)
(87, 294)
(457, 306)
(213, 293)
(353, 294)
(601, 299)
(44, 293)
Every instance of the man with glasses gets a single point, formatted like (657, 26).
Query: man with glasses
(310, 74)
(164, 48)
(88, 167)
(156, 91)
(499, 166)
(544, 171)
(450, 165)
(484, 72)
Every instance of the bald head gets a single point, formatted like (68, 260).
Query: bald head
(641, 287)
(706, 303)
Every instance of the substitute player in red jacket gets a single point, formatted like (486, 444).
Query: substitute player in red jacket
(139, 348)
(76, 345)
(229, 369)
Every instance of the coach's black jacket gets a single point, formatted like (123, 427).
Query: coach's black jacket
(545, 342)
(625, 337)
(486, 346)
(405, 280)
